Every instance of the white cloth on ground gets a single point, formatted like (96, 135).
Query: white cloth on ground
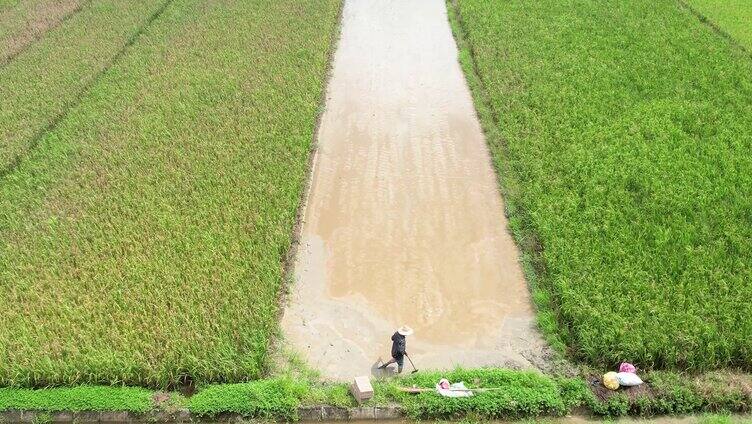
(455, 390)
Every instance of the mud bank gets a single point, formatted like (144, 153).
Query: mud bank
(404, 222)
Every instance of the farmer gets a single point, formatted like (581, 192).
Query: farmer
(399, 346)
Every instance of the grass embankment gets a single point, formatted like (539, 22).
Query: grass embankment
(732, 16)
(518, 395)
(23, 21)
(40, 85)
(622, 133)
(80, 398)
(143, 238)
(522, 394)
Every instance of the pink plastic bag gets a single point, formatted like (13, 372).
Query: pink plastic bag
(627, 367)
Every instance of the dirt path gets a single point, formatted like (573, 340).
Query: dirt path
(404, 222)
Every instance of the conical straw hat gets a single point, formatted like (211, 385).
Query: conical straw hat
(405, 330)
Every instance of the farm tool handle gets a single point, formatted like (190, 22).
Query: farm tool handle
(411, 363)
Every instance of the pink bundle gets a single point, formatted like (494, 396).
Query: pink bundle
(627, 367)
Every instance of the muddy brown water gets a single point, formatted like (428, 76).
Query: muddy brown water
(404, 223)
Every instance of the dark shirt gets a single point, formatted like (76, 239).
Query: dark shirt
(399, 345)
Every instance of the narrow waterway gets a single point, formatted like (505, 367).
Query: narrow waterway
(404, 223)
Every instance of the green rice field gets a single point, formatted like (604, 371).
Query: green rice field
(154, 162)
(153, 156)
(622, 132)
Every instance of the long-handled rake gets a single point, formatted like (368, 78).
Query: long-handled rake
(411, 363)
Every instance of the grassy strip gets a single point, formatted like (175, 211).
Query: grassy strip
(267, 399)
(173, 186)
(81, 398)
(619, 137)
(733, 16)
(41, 84)
(522, 395)
(527, 395)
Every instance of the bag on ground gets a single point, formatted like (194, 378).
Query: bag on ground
(627, 367)
(628, 379)
(610, 380)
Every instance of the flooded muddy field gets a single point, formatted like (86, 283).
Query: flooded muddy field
(404, 223)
